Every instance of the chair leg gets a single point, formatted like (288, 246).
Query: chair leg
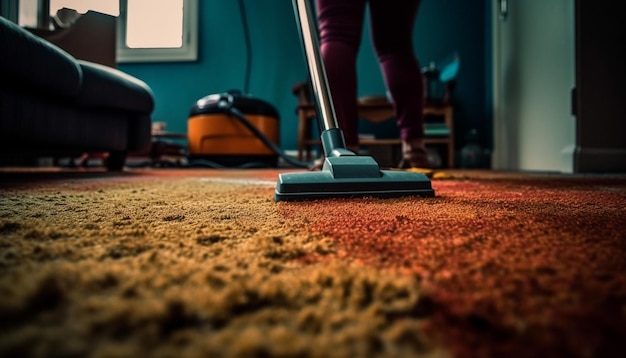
(302, 122)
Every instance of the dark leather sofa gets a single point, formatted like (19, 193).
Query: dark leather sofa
(53, 105)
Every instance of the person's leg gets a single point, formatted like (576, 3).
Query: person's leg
(340, 23)
(392, 37)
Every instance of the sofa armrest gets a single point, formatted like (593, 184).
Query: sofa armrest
(32, 63)
(106, 87)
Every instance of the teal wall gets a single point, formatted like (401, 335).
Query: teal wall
(443, 26)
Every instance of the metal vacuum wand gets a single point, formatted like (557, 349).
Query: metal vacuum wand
(332, 137)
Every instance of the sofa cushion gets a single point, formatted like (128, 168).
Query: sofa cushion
(34, 64)
(106, 87)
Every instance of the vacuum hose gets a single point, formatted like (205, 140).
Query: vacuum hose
(235, 112)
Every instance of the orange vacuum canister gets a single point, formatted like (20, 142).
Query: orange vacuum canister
(216, 135)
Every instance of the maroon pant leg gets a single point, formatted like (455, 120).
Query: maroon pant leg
(340, 25)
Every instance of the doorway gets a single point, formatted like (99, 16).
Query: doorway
(534, 74)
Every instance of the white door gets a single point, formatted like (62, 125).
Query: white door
(534, 73)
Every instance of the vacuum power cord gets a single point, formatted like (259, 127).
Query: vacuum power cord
(246, 32)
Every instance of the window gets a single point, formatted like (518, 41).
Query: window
(148, 30)
(164, 30)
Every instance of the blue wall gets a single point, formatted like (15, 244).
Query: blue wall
(443, 26)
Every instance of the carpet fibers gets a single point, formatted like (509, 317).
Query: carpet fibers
(204, 263)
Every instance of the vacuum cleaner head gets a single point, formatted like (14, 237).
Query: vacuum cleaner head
(350, 176)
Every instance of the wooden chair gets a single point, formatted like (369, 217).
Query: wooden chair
(438, 127)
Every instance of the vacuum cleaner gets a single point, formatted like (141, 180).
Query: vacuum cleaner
(232, 129)
(344, 173)
(217, 134)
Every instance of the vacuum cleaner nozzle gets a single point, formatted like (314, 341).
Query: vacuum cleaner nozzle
(348, 177)
(345, 174)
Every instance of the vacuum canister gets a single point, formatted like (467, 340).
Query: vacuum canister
(216, 135)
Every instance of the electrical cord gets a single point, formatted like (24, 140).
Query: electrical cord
(246, 33)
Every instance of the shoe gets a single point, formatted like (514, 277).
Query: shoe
(415, 158)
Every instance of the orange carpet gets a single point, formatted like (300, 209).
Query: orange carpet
(204, 263)
(531, 266)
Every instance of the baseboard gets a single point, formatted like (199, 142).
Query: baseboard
(600, 160)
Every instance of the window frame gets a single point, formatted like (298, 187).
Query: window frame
(186, 53)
